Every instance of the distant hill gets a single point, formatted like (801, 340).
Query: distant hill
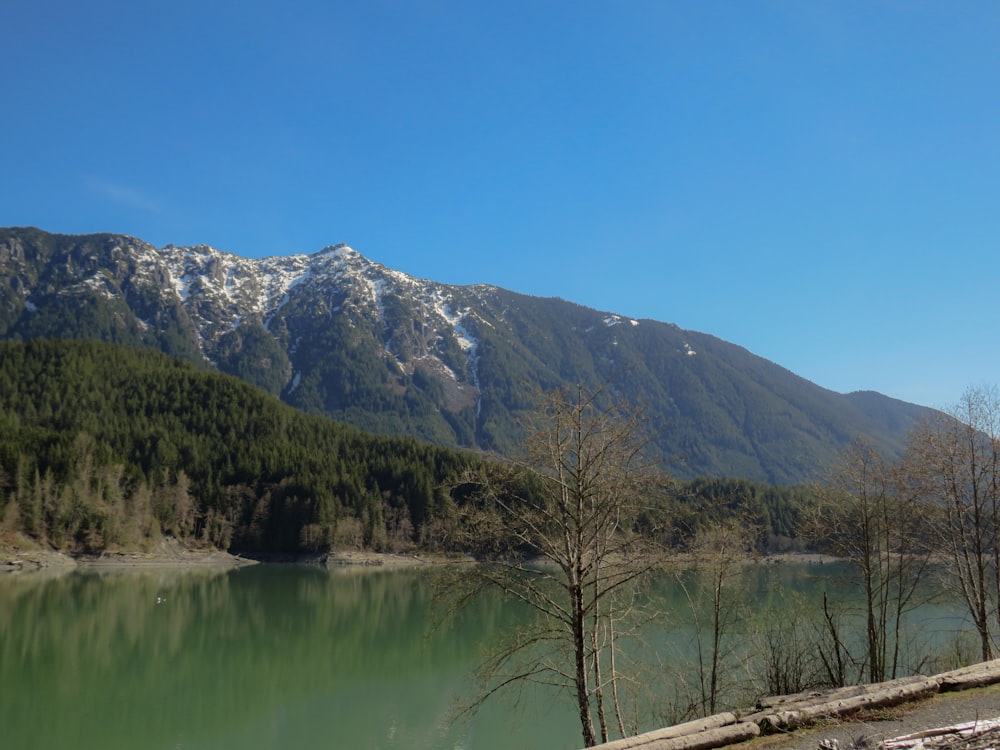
(334, 333)
(104, 445)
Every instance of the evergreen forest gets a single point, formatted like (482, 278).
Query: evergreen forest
(105, 446)
(109, 447)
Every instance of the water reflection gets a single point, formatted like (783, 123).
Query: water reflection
(261, 657)
(286, 657)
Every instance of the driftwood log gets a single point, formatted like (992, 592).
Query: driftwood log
(968, 735)
(976, 675)
(783, 713)
(702, 734)
(795, 713)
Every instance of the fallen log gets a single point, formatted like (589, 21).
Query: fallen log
(811, 698)
(797, 716)
(677, 730)
(707, 739)
(977, 675)
(786, 712)
(775, 701)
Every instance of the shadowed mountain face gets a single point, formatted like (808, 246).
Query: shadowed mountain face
(336, 334)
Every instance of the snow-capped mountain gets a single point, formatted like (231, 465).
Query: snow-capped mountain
(419, 324)
(335, 333)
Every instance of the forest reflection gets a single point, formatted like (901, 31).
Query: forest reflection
(296, 656)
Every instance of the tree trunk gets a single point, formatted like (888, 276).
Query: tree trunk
(580, 652)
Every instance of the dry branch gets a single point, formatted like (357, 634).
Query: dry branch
(960, 736)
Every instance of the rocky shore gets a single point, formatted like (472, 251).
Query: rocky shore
(169, 553)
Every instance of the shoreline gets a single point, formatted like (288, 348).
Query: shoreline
(33, 561)
(170, 554)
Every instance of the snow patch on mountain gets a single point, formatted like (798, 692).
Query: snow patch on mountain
(442, 305)
(242, 285)
(221, 291)
(378, 289)
(614, 320)
(471, 347)
(99, 284)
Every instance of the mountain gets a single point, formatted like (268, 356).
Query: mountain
(337, 334)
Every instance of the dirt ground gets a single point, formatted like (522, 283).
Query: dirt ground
(867, 729)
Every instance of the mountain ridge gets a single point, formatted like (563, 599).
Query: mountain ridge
(335, 333)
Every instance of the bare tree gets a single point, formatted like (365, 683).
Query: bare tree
(556, 531)
(719, 553)
(789, 646)
(870, 513)
(959, 454)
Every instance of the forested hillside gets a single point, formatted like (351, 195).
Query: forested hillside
(104, 445)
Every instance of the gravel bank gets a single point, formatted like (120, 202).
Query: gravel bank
(940, 710)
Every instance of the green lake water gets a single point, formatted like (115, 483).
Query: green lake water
(287, 657)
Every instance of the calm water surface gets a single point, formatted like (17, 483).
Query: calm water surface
(277, 657)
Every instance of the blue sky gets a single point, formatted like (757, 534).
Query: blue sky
(818, 182)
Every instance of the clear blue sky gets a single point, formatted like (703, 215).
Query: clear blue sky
(817, 181)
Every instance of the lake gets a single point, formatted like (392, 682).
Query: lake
(285, 656)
